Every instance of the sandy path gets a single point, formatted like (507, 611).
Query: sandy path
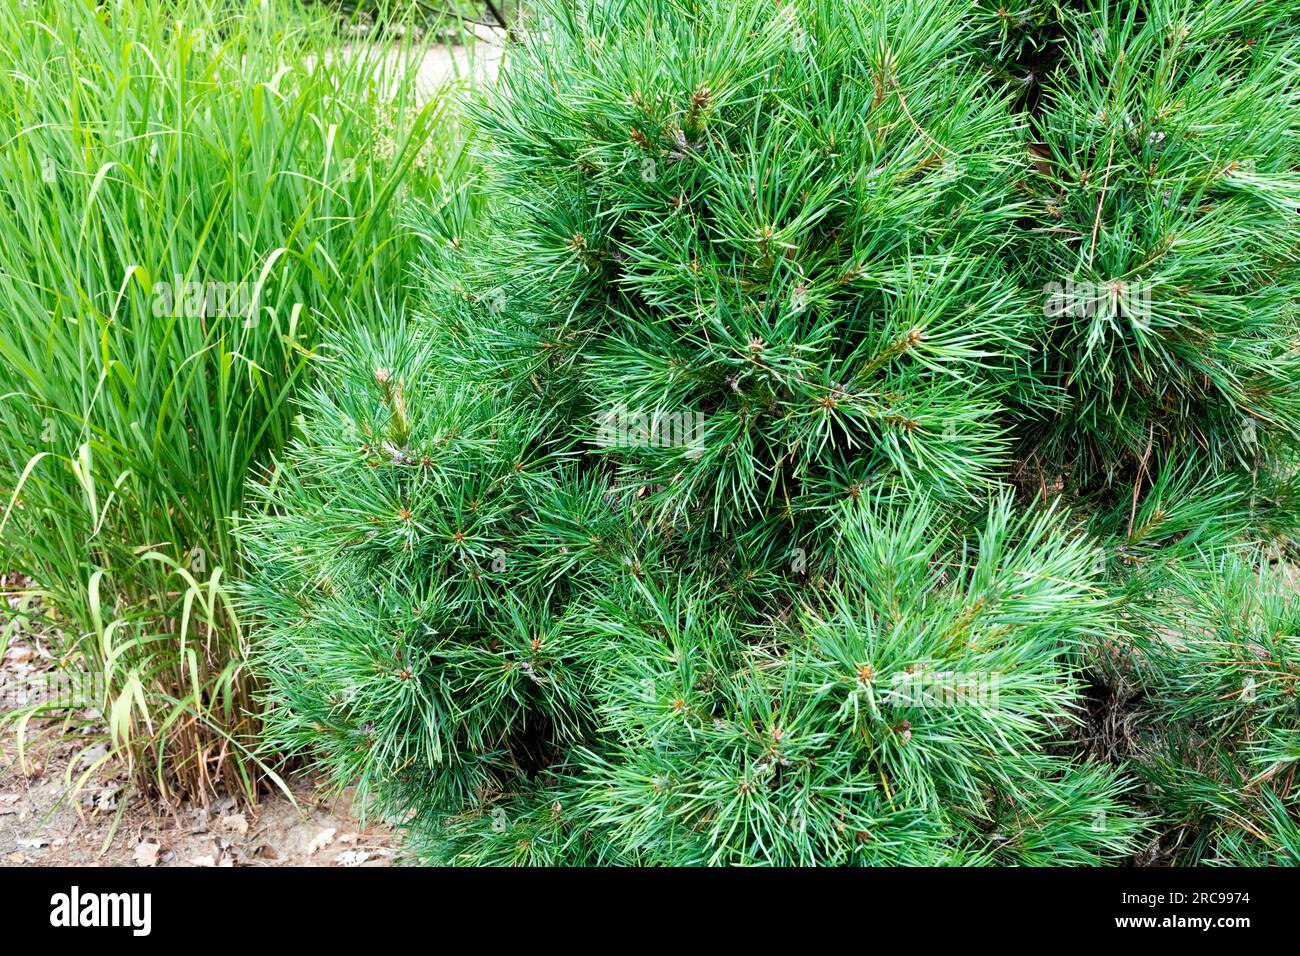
(437, 65)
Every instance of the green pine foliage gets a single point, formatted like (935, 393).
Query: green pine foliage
(399, 505)
(747, 493)
(1225, 682)
(824, 291)
(1167, 201)
(1164, 199)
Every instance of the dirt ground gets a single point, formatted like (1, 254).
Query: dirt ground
(106, 824)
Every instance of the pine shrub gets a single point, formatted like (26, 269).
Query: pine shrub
(753, 490)
(1163, 196)
(1167, 202)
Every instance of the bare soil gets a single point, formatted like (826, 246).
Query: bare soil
(46, 821)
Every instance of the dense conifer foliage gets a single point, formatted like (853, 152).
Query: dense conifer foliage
(823, 448)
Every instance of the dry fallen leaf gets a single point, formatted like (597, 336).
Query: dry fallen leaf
(351, 858)
(203, 861)
(146, 854)
(321, 841)
(94, 755)
(235, 823)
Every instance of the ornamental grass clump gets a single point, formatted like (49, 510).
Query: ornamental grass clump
(191, 193)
